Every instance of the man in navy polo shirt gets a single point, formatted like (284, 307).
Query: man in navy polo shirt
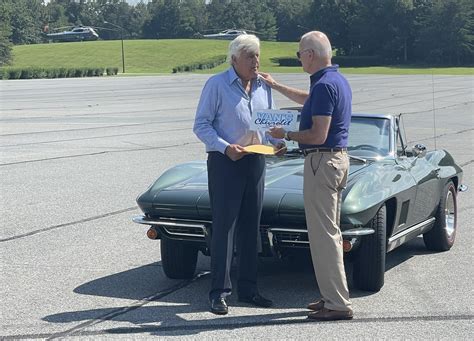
(322, 135)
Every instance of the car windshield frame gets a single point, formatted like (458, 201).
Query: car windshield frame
(386, 127)
(389, 125)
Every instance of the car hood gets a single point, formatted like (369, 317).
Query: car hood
(283, 175)
(189, 198)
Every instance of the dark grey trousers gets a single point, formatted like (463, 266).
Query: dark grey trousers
(236, 195)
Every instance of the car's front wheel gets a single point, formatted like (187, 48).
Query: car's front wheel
(441, 236)
(369, 265)
(178, 259)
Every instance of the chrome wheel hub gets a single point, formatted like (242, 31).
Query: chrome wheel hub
(450, 214)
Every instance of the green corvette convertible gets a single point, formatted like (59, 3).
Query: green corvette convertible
(393, 195)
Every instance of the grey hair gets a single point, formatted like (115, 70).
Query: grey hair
(244, 42)
(318, 42)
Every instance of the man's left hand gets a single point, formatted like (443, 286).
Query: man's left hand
(280, 149)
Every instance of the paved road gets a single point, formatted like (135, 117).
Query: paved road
(75, 153)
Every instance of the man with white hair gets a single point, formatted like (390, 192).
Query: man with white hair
(322, 135)
(235, 177)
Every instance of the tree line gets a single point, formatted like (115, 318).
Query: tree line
(399, 31)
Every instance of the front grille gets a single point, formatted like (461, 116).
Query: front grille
(184, 231)
(289, 237)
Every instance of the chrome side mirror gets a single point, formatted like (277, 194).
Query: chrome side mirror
(419, 150)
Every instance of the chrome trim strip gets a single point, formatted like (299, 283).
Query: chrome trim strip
(278, 229)
(357, 232)
(410, 230)
(184, 234)
(294, 241)
(181, 223)
(148, 221)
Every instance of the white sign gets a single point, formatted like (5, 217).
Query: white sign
(263, 120)
(267, 118)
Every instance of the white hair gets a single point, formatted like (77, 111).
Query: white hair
(244, 42)
(318, 42)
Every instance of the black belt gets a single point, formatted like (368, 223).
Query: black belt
(323, 150)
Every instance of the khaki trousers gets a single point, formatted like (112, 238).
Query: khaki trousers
(325, 176)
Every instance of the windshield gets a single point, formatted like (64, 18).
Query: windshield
(369, 137)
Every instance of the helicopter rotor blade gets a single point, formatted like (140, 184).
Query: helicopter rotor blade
(104, 28)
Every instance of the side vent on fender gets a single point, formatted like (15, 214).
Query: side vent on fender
(404, 213)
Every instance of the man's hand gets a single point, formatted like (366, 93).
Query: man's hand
(280, 149)
(235, 152)
(277, 132)
(267, 78)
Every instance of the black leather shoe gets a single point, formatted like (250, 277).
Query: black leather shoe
(257, 300)
(219, 306)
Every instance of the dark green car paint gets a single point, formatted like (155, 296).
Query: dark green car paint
(410, 186)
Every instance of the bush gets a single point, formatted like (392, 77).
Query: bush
(111, 71)
(35, 73)
(78, 73)
(287, 61)
(62, 72)
(204, 65)
(14, 73)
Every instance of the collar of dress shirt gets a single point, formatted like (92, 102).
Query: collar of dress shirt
(232, 77)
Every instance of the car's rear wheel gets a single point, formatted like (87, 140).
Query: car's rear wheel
(441, 237)
(369, 266)
(178, 259)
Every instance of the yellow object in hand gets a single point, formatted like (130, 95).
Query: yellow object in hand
(260, 149)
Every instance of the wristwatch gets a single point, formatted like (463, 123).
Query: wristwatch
(287, 136)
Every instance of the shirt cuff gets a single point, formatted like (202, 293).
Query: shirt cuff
(221, 145)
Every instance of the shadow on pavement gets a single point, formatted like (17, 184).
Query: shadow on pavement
(290, 284)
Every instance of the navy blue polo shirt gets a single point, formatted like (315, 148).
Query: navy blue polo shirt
(330, 95)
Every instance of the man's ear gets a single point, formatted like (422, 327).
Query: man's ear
(233, 58)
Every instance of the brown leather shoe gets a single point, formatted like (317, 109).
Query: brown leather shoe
(330, 315)
(316, 306)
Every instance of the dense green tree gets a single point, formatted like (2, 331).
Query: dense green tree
(5, 50)
(26, 21)
(382, 27)
(250, 15)
(445, 32)
(435, 31)
(334, 18)
(292, 19)
(193, 18)
(216, 10)
(175, 19)
(6, 9)
(137, 18)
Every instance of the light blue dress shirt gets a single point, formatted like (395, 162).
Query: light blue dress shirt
(225, 109)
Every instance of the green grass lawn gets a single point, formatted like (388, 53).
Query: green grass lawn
(160, 56)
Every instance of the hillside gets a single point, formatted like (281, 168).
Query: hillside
(141, 56)
(160, 56)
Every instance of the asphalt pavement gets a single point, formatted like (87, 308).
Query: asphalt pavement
(75, 154)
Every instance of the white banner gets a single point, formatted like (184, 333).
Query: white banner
(263, 120)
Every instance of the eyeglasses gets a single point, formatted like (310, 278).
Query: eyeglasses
(299, 53)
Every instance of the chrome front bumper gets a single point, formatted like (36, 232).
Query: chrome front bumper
(277, 237)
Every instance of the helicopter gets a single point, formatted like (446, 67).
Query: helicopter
(78, 33)
(229, 34)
